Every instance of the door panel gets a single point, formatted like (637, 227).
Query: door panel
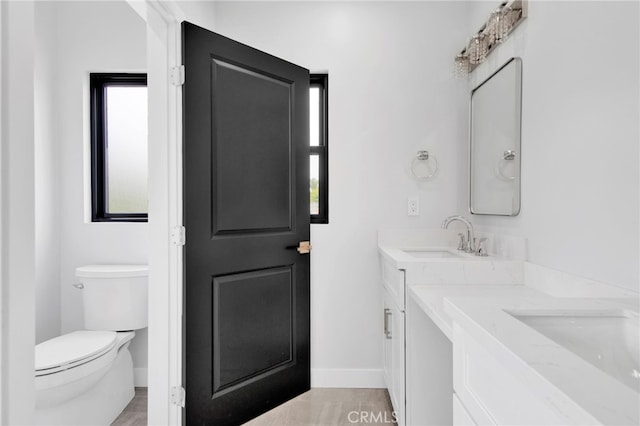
(261, 337)
(246, 198)
(249, 130)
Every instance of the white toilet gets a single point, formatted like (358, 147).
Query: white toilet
(86, 377)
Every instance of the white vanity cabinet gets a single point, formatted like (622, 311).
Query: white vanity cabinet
(487, 393)
(461, 416)
(417, 346)
(393, 337)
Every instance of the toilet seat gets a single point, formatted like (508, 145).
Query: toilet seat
(71, 365)
(71, 350)
(95, 361)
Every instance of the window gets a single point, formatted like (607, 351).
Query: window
(118, 147)
(319, 160)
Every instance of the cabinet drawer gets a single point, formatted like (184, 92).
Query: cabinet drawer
(490, 393)
(461, 416)
(393, 281)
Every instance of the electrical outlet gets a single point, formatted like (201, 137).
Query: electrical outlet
(413, 206)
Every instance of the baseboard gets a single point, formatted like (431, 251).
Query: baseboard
(140, 377)
(346, 378)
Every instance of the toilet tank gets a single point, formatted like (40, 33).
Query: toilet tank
(114, 296)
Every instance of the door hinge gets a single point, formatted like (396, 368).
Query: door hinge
(178, 395)
(178, 235)
(176, 74)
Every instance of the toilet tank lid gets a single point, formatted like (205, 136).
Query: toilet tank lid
(112, 271)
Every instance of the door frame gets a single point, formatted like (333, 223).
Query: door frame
(17, 259)
(165, 207)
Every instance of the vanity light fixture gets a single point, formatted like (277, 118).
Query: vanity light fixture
(462, 65)
(495, 30)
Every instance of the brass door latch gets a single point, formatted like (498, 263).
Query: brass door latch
(304, 247)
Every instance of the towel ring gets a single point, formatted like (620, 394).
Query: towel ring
(420, 166)
(508, 156)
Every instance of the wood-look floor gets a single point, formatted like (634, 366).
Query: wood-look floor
(135, 414)
(318, 407)
(328, 407)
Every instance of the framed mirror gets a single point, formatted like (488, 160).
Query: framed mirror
(494, 142)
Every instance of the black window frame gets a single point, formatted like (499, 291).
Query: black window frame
(99, 182)
(322, 150)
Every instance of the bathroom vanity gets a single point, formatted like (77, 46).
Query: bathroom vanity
(409, 336)
(544, 360)
(497, 340)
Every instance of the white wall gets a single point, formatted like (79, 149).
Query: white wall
(391, 93)
(3, 196)
(17, 209)
(197, 12)
(580, 133)
(47, 210)
(91, 37)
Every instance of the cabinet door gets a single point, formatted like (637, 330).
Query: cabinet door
(387, 338)
(398, 361)
(394, 355)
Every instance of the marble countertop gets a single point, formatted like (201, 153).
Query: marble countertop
(401, 259)
(481, 295)
(431, 298)
(551, 371)
(465, 268)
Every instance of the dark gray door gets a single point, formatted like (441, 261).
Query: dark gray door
(246, 206)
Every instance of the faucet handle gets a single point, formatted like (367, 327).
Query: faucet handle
(481, 250)
(461, 243)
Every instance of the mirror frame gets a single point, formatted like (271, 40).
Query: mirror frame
(518, 95)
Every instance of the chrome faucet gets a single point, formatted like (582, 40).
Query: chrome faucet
(470, 237)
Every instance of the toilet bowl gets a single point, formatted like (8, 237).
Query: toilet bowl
(86, 377)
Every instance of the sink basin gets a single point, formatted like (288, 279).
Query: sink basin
(432, 253)
(607, 340)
